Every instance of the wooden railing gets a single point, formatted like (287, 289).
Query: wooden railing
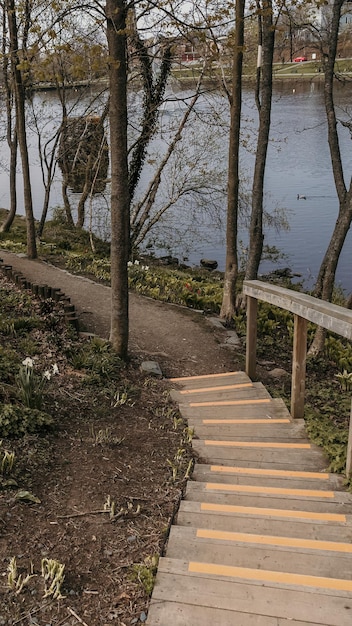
(305, 309)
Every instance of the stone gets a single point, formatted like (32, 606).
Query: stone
(209, 264)
(215, 321)
(277, 372)
(152, 368)
(232, 339)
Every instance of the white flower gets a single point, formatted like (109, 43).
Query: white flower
(28, 362)
(47, 375)
(129, 264)
(146, 268)
(55, 369)
(136, 262)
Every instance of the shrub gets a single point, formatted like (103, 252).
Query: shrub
(16, 421)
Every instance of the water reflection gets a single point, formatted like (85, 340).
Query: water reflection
(298, 164)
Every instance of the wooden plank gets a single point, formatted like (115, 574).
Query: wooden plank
(335, 318)
(261, 410)
(283, 513)
(265, 420)
(334, 567)
(193, 615)
(217, 388)
(272, 472)
(276, 491)
(291, 542)
(247, 432)
(258, 444)
(241, 393)
(174, 584)
(251, 337)
(190, 514)
(263, 500)
(320, 582)
(229, 377)
(269, 478)
(284, 458)
(299, 367)
(349, 447)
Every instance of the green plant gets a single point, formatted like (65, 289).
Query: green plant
(345, 379)
(333, 439)
(15, 421)
(16, 581)
(7, 462)
(145, 573)
(188, 434)
(31, 386)
(97, 357)
(105, 436)
(53, 574)
(110, 507)
(121, 398)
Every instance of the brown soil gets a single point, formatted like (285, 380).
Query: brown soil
(130, 449)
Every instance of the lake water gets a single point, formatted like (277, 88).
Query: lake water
(298, 163)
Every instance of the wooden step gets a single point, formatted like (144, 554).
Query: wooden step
(274, 429)
(220, 393)
(263, 536)
(248, 519)
(267, 477)
(242, 409)
(270, 497)
(185, 543)
(207, 380)
(283, 457)
(203, 599)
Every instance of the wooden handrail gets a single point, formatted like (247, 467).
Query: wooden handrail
(306, 309)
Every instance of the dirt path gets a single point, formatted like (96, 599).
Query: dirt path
(183, 342)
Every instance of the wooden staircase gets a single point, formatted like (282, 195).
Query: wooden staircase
(264, 534)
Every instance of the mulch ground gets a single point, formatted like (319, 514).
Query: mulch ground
(106, 479)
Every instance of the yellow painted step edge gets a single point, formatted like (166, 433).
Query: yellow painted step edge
(270, 576)
(273, 540)
(231, 402)
(257, 444)
(186, 392)
(203, 376)
(227, 469)
(266, 421)
(251, 510)
(309, 493)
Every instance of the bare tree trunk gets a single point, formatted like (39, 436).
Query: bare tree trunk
(231, 268)
(65, 165)
(21, 128)
(120, 200)
(6, 225)
(326, 277)
(11, 133)
(256, 236)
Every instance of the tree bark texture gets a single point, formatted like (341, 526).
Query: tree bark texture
(256, 236)
(326, 277)
(120, 200)
(11, 132)
(231, 267)
(21, 127)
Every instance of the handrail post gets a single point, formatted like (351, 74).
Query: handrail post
(299, 366)
(251, 341)
(349, 448)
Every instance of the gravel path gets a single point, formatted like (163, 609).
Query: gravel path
(184, 342)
